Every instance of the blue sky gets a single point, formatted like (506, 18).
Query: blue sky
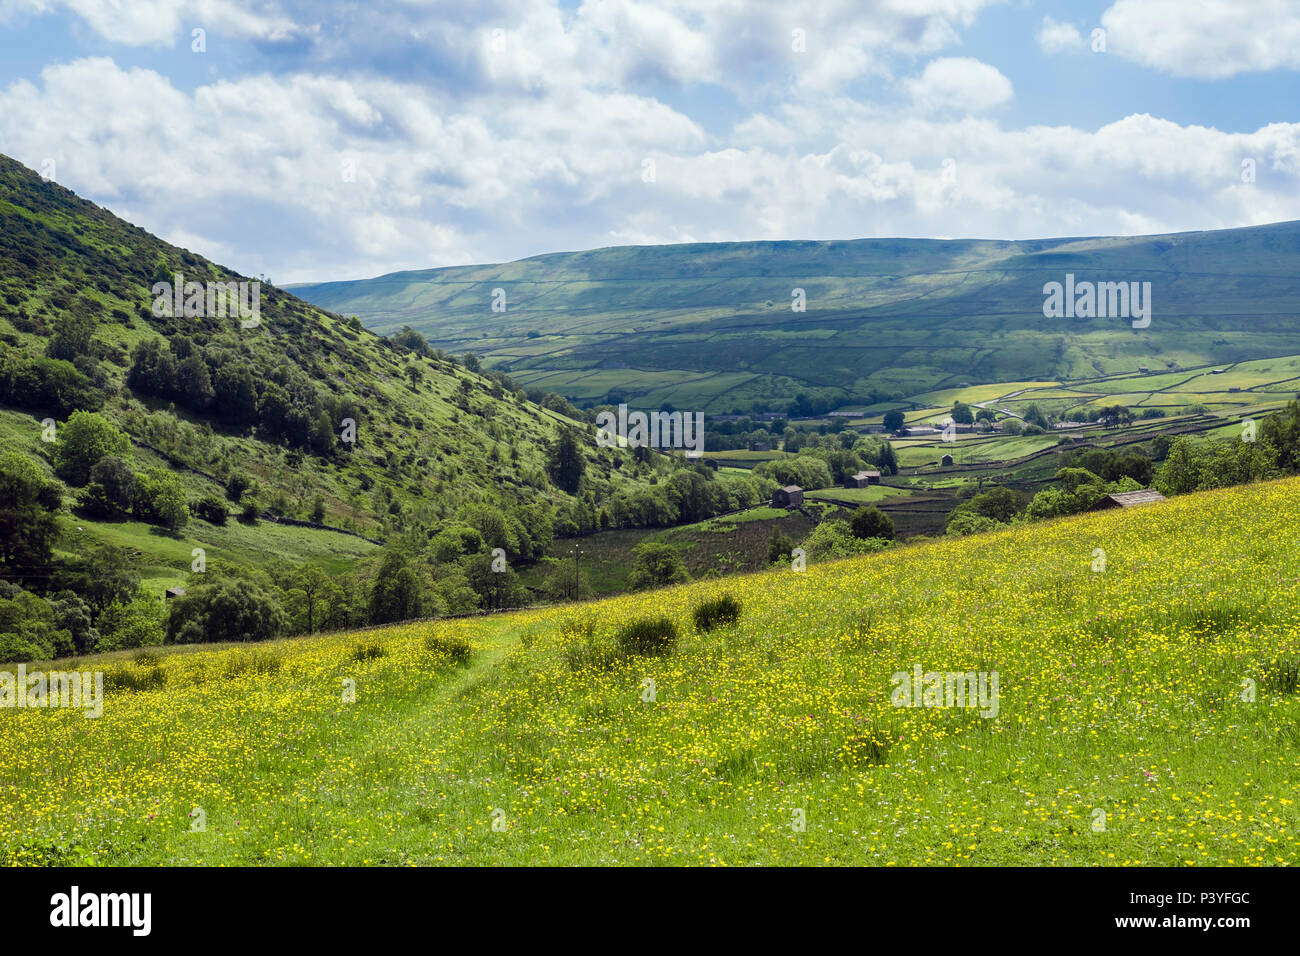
(324, 140)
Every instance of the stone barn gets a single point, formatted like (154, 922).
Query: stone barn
(946, 460)
(862, 479)
(1129, 499)
(791, 496)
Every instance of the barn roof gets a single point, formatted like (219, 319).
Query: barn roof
(791, 489)
(1127, 499)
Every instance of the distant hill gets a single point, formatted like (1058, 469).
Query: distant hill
(710, 326)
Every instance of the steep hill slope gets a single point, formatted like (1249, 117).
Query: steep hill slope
(710, 326)
(1144, 714)
(320, 415)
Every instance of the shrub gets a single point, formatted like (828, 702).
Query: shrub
(711, 614)
(136, 675)
(449, 645)
(367, 650)
(578, 626)
(648, 636)
(211, 509)
(591, 654)
(871, 522)
(1283, 676)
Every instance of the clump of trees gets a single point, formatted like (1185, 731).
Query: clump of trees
(278, 400)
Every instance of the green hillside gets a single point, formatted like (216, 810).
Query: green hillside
(208, 401)
(710, 326)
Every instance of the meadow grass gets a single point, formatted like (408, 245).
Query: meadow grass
(1147, 714)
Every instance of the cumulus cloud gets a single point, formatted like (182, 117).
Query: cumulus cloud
(959, 83)
(165, 22)
(1056, 37)
(540, 127)
(1208, 38)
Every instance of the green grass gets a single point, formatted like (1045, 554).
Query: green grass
(773, 740)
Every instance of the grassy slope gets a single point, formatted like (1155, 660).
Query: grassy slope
(1119, 692)
(709, 326)
(432, 447)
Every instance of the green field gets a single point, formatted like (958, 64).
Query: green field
(1145, 715)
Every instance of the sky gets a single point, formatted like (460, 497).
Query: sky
(340, 139)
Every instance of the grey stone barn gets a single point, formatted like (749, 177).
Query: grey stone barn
(791, 496)
(862, 479)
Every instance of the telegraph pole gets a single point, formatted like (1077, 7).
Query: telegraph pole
(577, 553)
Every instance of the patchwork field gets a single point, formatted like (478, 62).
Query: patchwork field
(1146, 714)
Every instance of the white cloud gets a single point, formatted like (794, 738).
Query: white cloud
(1207, 38)
(338, 170)
(959, 83)
(166, 22)
(1056, 37)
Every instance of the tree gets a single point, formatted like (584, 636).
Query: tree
(153, 369)
(28, 526)
(566, 465)
(1282, 431)
(318, 510)
(311, 593)
(72, 337)
(871, 522)
(160, 499)
(893, 420)
(237, 485)
(111, 490)
(395, 595)
(227, 610)
(234, 394)
(138, 623)
(1033, 415)
(655, 564)
(211, 509)
(496, 589)
(998, 504)
(194, 383)
(961, 414)
(82, 442)
(779, 546)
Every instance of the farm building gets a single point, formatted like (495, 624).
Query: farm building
(862, 479)
(1128, 499)
(758, 446)
(946, 460)
(172, 593)
(791, 496)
